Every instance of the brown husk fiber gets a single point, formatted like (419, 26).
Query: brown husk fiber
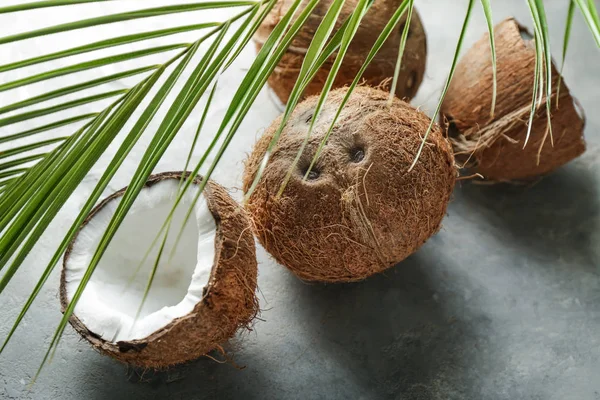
(364, 212)
(284, 77)
(229, 302)
(494, 147)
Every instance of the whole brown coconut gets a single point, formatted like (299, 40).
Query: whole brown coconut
(360, 211)
(216, 311)
(284, 77)
(494, 147)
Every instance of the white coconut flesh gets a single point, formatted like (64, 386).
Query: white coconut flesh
(112, 298)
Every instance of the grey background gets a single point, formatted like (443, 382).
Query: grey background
(503, 303)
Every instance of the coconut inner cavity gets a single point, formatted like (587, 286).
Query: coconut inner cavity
(113, 296)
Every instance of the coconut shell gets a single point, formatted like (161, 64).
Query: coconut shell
(229, 302)
(382, 67)
(361, 210)
(494, 147)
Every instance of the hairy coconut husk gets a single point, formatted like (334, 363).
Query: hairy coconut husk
(228, 304)
(361, 210)
(284, 77)
(494, 147)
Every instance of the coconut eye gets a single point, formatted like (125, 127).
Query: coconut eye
(525, 35)
(357, 154)
(312, 175)
(453, 131)
(401, 30)
(412, 78)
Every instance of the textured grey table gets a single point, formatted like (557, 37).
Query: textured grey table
(504, 303)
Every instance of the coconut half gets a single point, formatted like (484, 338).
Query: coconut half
(361, 210)
(203, 290)
(494, 147)
(380, 70)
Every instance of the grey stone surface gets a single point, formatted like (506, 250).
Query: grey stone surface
(504, 303)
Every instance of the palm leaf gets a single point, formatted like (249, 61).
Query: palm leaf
(60, 107)
(567, 36)
(20, 161)
(12, 172)
(182, 186)
(264, 64)
(47, 127)
(319, 39)
(189, 96)
(590, 14)
(267, 58)
(84, 66)
(299, 87)
(250, 26)
(387, 30)
(593, 12)
(538, 82)
(543, 28)
(348, 35)
(29, 147)
(44, 4)
(17, 219)
(403, 39)
(126, 16)
(189, 159)
(447, 84)
(75, 88)
(41, 168)
(487, 9)
(103, 44)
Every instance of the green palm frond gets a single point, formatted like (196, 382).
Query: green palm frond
(45, 189)
(126, 16)
(448, 80)
(104, 44)
(540, 60)
(544, 59)
(195, 87)
(84, 66)
(487, 9)
(44, 4)
(12, 172)
(75, 88)
(385, 33)
(29, 147)
(590, 14)
(60, 107)
(37, 178)
(265, 62)
(403, 39)
(20, 161)
(349, 32)
(566, 37)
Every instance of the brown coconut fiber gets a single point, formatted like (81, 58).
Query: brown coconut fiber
(229, 301)
(494, 147)
(382, 67)
(360, 211)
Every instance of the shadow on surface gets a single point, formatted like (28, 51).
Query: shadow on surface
(391, 333)
(200, 379)
(556, 217)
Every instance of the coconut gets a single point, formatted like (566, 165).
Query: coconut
(382, 67)
(201, 295)
(495, 147)
(360, 210)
